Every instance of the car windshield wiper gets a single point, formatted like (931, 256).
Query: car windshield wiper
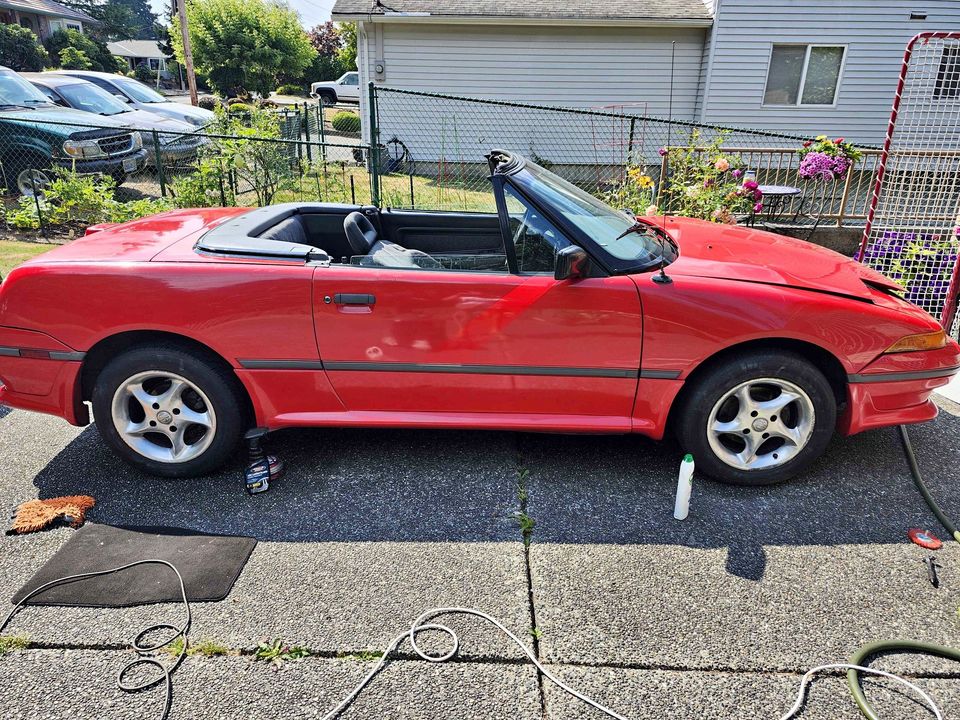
(17, 105)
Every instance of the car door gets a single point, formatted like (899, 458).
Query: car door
(349, 87)
(496, 348)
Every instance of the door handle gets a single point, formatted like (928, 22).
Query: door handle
(354, 299)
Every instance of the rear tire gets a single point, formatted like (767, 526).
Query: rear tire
(169, 411)
(328, 97)
(758, 419)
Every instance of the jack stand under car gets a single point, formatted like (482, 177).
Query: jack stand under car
(261, 468)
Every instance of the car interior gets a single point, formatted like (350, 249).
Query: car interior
(366, 236)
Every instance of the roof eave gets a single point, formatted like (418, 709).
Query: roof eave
(517, 20)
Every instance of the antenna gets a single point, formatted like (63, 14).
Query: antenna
(663, 278)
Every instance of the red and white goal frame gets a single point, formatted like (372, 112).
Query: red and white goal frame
(911, 230)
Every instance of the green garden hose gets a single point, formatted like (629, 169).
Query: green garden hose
(863, 654)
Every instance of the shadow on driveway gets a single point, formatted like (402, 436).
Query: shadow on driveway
(383, 485)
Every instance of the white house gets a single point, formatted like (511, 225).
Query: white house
(797, 66)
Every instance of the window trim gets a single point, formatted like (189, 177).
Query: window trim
(803, 75)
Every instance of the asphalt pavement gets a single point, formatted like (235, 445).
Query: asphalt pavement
(714, 617)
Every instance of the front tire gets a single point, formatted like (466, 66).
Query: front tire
(169, 411)
(758, 420)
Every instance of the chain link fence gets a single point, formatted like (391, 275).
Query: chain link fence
(440, 140)
(58, 177)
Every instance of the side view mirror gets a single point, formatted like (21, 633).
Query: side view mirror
(121, 97)
(571, 263)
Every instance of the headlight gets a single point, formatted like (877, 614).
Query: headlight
(923, 341)
(82, 149)
(137, 141)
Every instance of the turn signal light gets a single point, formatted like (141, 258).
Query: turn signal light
(923, 341)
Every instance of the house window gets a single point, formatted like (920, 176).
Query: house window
(154, 63)
(74, 26)
(804, 74)
(948, 75)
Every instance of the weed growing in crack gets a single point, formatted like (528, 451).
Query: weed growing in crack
(10, 643)
(276, 652)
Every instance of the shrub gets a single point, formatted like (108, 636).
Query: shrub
(96, 51)
(290, 90)
(73, 59)
(345, 121)
(144, 74)
(239, 107)
(20, 49)
(73, 200)
(208, 102)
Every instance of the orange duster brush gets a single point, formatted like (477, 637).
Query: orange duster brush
(35, 515)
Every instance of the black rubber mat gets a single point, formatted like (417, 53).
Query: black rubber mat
(209, 564)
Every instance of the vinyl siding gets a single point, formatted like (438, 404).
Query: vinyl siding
(875, 33)
(571, 66)
(611, 68)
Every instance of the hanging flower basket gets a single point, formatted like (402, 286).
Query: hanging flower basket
(826, 159)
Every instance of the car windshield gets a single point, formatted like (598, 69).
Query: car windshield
(14, 90)
(85, 96)
(600, 222)
(140, 92)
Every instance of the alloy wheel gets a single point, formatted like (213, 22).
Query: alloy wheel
(163, 417)
(760, 424)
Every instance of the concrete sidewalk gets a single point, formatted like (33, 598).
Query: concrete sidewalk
(714, 617)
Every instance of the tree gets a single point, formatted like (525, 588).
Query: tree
(244, 45)
(114, 20)
(73, 59)
(96, 50)
(20, 49)
(348, 53)
(144, 19)
(327, 42)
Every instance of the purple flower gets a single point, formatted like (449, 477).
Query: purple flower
(737, 173)
(757, 195)
(823, 166)
(662, 151)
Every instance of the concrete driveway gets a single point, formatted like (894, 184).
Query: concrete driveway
(714, 617)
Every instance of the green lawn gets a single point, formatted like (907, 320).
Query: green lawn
(14, 252)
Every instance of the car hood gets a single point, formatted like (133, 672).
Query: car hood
(180, 111)
(77, 120)
(733, 252)
(144, 120)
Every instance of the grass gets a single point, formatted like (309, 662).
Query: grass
(206, 648)
(9, 643)
(362, 656)
(14, 252)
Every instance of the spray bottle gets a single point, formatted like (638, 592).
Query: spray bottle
(684, 486)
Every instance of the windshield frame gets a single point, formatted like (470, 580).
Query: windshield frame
(526, 182)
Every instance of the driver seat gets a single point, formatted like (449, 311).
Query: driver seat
(363, 240)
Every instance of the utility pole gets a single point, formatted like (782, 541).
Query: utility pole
(187, 52)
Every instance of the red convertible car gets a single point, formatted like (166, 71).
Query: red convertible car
(556, 314)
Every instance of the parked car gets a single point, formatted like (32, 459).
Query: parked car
(143, 97)
(177, 141)
(344, 88)
(36, 136)
(559, 314)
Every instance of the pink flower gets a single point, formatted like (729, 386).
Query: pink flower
(750, 184)
(838, 141)
(757, 195)
(651, 210)
(722, 164)
(758, 207)
(737, 173)
(662, 151)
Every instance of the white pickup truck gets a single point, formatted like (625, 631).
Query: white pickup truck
(344, 88)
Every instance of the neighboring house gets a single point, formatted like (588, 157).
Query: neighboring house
(802, 67)
(43, 17)
(139, 52)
